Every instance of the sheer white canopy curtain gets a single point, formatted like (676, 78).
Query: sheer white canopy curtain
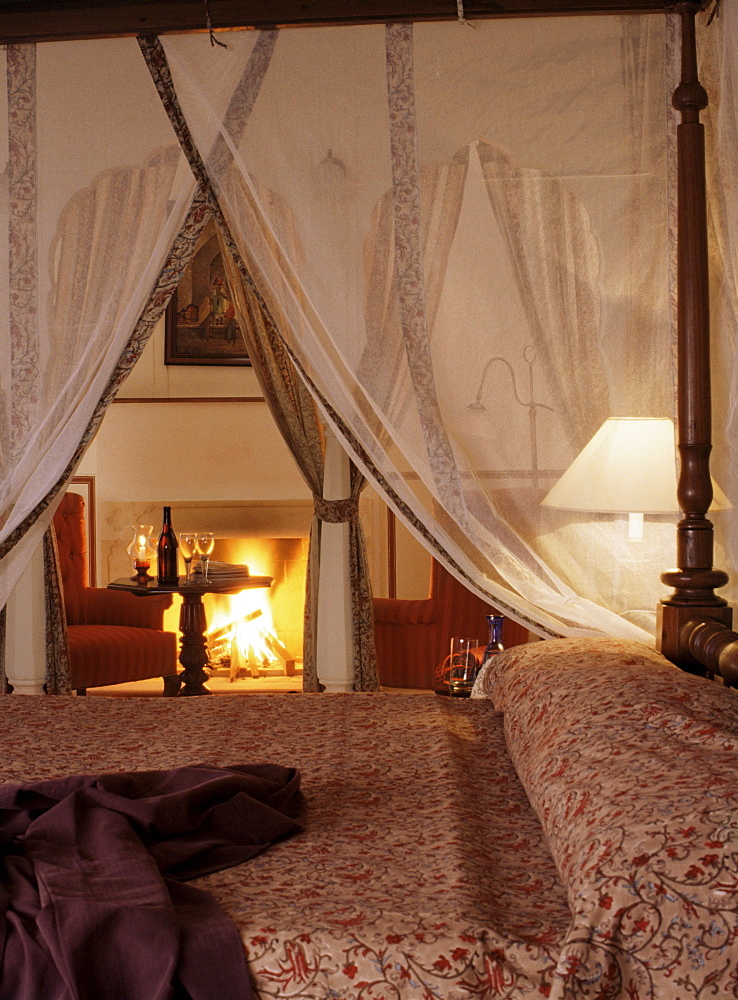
(293, 408)
(461, 239)
(94, 195)
(465, 239)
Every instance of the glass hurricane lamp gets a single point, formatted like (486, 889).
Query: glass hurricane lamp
(142, 550)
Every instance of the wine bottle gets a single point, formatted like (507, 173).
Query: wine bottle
(494, 646)
(166, 552)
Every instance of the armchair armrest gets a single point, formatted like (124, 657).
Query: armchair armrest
(110, 607)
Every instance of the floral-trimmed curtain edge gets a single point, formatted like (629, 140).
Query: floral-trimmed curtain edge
(58, 672)
(294, 414)
(294, 410)
(365, 671)
(162, 292)
(169, 276)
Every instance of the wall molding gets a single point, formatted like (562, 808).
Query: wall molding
(189, 399)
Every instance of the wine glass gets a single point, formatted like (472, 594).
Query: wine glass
(205, 543)
(187, 543)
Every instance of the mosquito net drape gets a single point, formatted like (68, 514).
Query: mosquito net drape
(94, 196)
(466, 239)
(464, 236)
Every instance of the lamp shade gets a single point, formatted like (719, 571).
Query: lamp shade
(629, 465)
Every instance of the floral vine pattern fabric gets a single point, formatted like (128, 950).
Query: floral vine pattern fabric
(398, 886)
(58, 669)
(572, 838)
(631, 766)
(22, 250)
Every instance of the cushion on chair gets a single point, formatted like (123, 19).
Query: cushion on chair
(404, 653)
(115, 654)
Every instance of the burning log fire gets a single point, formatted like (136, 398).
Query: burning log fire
(247, 647)
(253, 631)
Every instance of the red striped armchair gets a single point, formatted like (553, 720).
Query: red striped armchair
(114, 637)
(413, 637)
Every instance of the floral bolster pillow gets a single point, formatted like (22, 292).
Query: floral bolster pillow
(632, 767)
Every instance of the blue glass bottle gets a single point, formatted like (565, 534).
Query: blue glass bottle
(494, 646)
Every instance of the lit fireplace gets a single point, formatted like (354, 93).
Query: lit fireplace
(270, 536)
(258, 633)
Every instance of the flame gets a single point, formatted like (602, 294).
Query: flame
(242, 605)
(228, 608)
(247, 637)
(249, 616)
(249, 649)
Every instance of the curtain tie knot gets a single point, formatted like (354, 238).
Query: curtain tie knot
(336, 511)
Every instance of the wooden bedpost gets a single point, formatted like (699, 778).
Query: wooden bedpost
(695, 579)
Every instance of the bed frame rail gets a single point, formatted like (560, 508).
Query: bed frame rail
(713, 646)
(693, 622)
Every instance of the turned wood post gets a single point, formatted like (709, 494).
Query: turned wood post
(695, 580)
(194, 646)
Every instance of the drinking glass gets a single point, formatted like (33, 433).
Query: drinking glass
(462, 667)
(205, 543)
(187, 542)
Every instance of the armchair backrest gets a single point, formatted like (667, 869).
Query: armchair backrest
(459, 611)
(71, 541)
(462, 613)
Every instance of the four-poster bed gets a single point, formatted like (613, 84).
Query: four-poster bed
(568, 833)
(684, 636)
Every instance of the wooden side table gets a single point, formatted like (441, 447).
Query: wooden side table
(193, 654)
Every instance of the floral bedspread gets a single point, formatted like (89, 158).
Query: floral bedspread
(421, 872)
(632, 767)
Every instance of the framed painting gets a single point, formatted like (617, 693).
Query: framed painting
(201, 324)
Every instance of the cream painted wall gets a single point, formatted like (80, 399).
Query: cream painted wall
(192, 451)
(189, 450)
(170, 451)
(413, 565)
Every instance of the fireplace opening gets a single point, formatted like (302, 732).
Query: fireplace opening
(259, 633)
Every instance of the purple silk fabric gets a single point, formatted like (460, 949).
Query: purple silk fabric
(92, 903)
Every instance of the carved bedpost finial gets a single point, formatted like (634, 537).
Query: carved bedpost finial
(695, 580)
(690, 97)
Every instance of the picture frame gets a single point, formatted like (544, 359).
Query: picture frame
(200, 324)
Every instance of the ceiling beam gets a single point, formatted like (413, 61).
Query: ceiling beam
(53, 20)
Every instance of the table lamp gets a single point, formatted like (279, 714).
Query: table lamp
(628, 467)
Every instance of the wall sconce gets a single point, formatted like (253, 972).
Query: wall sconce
(628, 467)
(331, 178)
(529, 356)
